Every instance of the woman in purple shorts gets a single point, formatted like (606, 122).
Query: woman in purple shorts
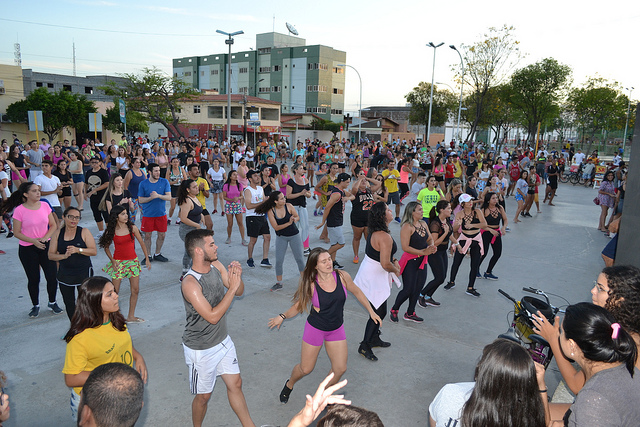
(326, 291)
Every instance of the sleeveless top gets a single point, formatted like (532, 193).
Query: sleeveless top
(76, 268)
(200, 334)
(291, 229)
(257, 197)
(417, 241)
(465, 227)
(361, 205)
(176, 176)
(436, 227)
(331, 305)
(285, 178)
(124, 247)
(372, 253)
(335, 216)
(297, 188)
(493, 218)
(134, 184)
(195, 213)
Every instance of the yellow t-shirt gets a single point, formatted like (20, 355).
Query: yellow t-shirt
(391, 183)
(200, 196)
(96, 346)
(458, 172)
(428, 198)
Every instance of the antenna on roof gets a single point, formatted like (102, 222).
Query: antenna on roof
(292, 29)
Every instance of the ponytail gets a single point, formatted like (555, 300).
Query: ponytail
(439, 207)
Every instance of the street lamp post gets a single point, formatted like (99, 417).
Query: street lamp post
(433, 71)
(360, 110)
(461, 88)
(229, 41)
(624, 141)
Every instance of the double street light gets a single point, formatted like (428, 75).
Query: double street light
(433, 70)
(360, 110)
(229, 41)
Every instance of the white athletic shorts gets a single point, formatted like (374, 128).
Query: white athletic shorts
(206, 365)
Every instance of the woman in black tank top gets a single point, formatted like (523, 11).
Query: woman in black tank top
(417, 244)
(322, 292)
(492, 234)
(470, 220)
(374, 275)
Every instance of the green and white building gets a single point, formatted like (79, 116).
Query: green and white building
(304, 79)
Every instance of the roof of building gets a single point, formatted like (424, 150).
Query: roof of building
(290, 117)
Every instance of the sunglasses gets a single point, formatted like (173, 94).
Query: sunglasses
(74, 217)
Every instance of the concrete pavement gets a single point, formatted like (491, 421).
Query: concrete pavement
(557, 251)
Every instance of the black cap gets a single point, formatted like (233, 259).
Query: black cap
(342, 177)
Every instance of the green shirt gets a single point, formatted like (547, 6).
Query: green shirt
(429, 199)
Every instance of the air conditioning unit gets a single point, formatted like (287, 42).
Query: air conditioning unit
(2, 92)
(4, 118)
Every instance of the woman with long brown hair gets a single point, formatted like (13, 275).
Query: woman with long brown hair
(322, 292)
(98, 335)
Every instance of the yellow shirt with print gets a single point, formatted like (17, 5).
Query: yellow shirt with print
(458, 172)
(200, 196)
(428, 198)
(96, 346)
(391, 183)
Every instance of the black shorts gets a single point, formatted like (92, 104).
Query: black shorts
(359, 221)
(174, 191)
(531, 192)
(205, 212)
(257, 226)
(440, 178)
(98, 215)
(66, 192)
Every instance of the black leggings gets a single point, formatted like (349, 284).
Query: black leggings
(438, 263)
(412, 280)
(404, 189)
(69, 298)
(32, 259)
(372, 328)
(98, 215)
(497, 250)
(474, 250)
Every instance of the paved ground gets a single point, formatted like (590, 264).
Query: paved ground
(557, 250)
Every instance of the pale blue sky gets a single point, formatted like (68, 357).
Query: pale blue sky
(384, 40)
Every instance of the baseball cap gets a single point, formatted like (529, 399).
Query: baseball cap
(342, 177)
(464, 198)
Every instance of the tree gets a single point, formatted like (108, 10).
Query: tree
(135, 121)
(155, 95)
(598, 106)
(487, 64)
(60, 110)
(499, 112)
(322, 124)
(536, 91)
(444, 104)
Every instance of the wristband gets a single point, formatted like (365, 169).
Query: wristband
(283, 316)
(544, 391)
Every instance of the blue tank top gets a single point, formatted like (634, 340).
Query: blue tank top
(135, 183)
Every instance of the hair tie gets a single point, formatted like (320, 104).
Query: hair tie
(616, 328)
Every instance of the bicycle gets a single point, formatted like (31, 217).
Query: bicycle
(574, 176)
(521, 327)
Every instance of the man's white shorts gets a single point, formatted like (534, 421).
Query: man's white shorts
(206, 365)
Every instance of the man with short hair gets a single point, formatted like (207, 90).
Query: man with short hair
(111, 396)
(333, 217)
(153, 193)
(34, 156)
(203, 186)
(273, 168)
(208, 349)
(391, 177)
(257, 224)
(49, 187)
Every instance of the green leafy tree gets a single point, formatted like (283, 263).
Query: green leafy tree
(322, 124)
(444, 104)
(536, 91)
(135, 121)
(62, 109)
(499, 112)
(155, 95)
(488, 63)
(598, 106)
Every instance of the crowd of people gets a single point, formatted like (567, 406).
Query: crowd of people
(446, 200)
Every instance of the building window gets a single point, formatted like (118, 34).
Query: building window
(277, 68)
(338, 70)
(276, 88)
(205, 59)
(264, 89)
(246, 55)
(316, 88)
(243, 70)
(202, 73)
(264, 50)
(38, 84)
(187, 73)
(214, 72)
(305, 50)
(66, 87)
(217, 57)
(50, 85)
(320, 110)
(196, 109)
(214, 112)
(193, 132)
(88, 90)
(337, 91)
(279, 52)
(244, 90)
(264, 70)
(175, 74)
(317, 66)
(189, 60)
(336, 112)
(233, 57)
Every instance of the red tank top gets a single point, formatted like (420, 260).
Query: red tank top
(125, 248)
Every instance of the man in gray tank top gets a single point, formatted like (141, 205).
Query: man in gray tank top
(208, 290)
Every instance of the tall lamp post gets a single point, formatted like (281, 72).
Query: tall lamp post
(360, 110)
(229, 41)
(624, 141)
(433, 71)
(461, 88)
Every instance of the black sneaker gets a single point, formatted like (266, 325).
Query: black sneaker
(307, 252)
(250, 263)
(472, 292)
(265, 263)
(393, 316)
(422, 301)
(284, 394)
(337, 266)
(9, 234)
(413, 317)
(478, 275)
(365, 350)
(449, 285)
(276, 287)
(433, 303)
(490, 276)
(144, 261)
(54, 307)
(160, 258)
(377, 342)
(35, 311)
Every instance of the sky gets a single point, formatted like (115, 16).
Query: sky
(385, 41)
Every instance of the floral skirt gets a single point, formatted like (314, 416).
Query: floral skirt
(234, 208)
(127, 268)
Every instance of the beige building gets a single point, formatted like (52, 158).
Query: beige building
(11, 90)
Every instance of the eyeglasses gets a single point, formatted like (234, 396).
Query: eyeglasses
(600, 287)
(74, 217)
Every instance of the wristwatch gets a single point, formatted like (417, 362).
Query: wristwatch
(80, 250)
